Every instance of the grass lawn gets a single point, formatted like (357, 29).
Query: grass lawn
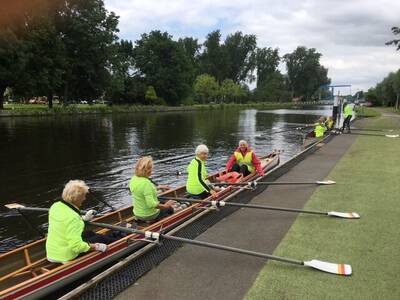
(368, 182)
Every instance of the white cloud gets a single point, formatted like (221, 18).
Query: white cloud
(350, 34)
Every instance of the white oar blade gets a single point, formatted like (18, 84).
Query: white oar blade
(338, 269)
(326, 182)
(14, 206)
(352, 215)
(392, 135)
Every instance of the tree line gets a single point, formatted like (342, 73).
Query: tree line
(387, 91)
(70, 49)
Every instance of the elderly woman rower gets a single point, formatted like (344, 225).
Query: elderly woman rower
(197, 184)
(66, 238)
(244, 161)
(146, 206)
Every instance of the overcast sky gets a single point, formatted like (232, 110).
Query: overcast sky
(350, 34)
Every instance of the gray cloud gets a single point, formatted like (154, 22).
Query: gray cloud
(350, 34)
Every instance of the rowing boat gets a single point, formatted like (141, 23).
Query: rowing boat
(26, 273)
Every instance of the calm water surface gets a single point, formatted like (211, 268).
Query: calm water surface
(40, 154)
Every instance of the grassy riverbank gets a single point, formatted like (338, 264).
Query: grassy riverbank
(368, 183)
(42, 109)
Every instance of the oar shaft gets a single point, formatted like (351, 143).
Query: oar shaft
(276, 208)
(202, 243)
(256, 206)
(266, 183)
(39, 209)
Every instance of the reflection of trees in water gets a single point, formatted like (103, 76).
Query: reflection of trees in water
(164, 131)
(215, 128)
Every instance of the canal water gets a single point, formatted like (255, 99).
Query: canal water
(38, 155)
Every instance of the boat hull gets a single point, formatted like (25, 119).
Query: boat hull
(63, 275)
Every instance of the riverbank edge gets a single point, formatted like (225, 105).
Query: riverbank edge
(355, 191)
(124, 109)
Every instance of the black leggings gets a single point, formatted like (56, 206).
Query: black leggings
(241, 169)
(92, 237)
(203, 195)
(346, 123)
(164, 212)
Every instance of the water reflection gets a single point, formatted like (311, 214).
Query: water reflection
(38, 155)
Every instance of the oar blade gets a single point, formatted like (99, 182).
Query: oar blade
(14, 206)
(326, 182)
(338, 269)
(392, 135)
(344, 215)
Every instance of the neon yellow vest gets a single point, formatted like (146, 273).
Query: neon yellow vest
(246, 160)
(319, 130)
(144, 197)
(64, 240)
(197, 175)
(348, 111)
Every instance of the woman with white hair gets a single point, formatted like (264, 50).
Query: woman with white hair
(196, 184)
(244, 161)
(66, 239)
(146, 206)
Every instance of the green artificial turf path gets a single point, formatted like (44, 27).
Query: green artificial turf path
(368, 182)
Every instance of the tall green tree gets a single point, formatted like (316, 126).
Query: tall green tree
(305, 74)
(12, 60)
(212, 60)
(239, 51)
(267, 62)
(89, 33)
(396, 88)
(45, 60)
(163, 64)
(192, 50)
(395, 42)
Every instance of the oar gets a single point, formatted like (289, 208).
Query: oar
(21, 207)
(368, 129)
(151, 236)
(253, 184)
(287, 130)
(101, 200)
(214, 203)
(373, 134)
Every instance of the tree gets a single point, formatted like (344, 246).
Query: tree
(206, 88)
(267, 62)
(163, 64)
(45, 61)
(89, 34)
(395, 42)
(239, 52)
(272, 89)
(151, 95)
(12, 60)
(192, 48)
(304, 72)
(396, 88)
(213, 60)
(230, 91)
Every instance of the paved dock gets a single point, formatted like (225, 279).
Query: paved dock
(200, 273)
